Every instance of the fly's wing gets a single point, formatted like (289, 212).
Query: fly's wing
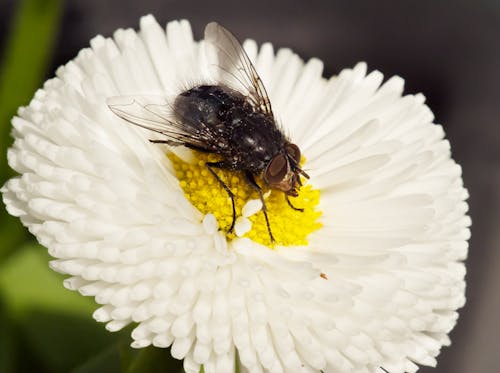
(235, 66)
(157, 114)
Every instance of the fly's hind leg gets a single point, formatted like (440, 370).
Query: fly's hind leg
(256, 186)
(222, 165)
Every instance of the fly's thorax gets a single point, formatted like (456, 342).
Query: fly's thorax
(256, 141)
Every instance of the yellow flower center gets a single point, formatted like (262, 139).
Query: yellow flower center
(289, 226)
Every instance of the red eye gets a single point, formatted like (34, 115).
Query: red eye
(294, 152)
(277, 169)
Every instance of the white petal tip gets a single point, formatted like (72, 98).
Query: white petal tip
(242, 226)
(210, 224)
(251, 207)
(141, 343)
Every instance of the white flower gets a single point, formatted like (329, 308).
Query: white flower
(378, 285)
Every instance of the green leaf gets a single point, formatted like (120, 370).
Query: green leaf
(121, 358)
(12, 234)
(28, 50)
(7, 343)
(60, 342)
(27, 284)
(108, 360)
(45, 342)
(154, 360)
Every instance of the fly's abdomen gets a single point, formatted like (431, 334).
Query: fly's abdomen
(256, 140)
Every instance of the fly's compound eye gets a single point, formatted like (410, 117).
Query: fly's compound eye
(294, 152)
(277, 169)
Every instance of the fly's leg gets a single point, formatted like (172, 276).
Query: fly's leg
(256, 186)
(222, 165)
(292, 206)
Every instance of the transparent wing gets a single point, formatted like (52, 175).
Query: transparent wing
(235, 66)
(156, 113)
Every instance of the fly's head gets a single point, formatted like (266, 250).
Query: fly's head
(283, 171)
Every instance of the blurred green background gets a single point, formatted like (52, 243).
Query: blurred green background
(447, 49)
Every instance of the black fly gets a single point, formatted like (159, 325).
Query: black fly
(233, 119)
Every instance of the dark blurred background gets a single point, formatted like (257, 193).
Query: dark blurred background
(448, 50)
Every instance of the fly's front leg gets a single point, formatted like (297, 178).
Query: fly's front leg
(222, 165)
(253, 184)
(292, 206)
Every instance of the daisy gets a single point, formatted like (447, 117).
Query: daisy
(368, 278)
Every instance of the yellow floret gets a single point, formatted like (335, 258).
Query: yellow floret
(289, 227)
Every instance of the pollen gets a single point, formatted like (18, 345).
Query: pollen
(289, 227)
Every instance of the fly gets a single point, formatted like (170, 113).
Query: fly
(232, 119)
